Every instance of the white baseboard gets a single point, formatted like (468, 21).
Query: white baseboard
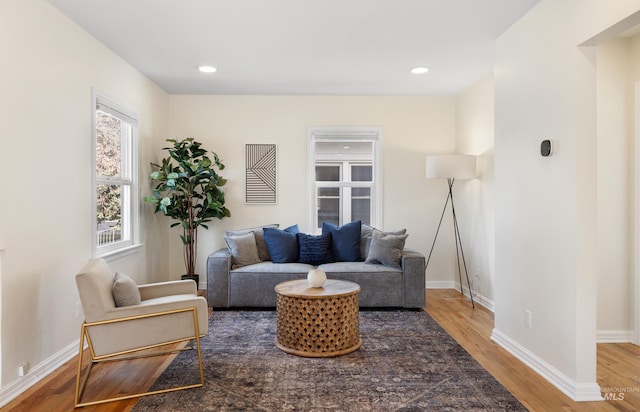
(447, 284)
(440, 284)
(478, 298)
(35, 374)
(615, 336)
(579, 392)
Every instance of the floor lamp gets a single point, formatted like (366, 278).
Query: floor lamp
(452, 167)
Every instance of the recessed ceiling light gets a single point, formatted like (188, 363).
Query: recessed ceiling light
(419, 70)
(347, 147)
(207, 69)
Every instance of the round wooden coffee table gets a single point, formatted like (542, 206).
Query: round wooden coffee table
(318, 322)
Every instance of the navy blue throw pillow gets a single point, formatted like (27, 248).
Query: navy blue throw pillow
(282, 244)
(315, 250)
(345, 241)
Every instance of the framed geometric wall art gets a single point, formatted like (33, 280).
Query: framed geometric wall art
(260, 174)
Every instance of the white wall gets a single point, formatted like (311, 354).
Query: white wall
(634, 52)
(545, 88)
(615, 91)
(48, 66)
(411, 127)
(475, 198)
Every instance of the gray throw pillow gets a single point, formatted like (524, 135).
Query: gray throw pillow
(386, 249)
(366, 232)
(243, 249)
(258, 232)
(125, 292)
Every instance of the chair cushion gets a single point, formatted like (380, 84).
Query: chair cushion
(125, 292)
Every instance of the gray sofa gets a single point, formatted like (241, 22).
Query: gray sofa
(252, 285)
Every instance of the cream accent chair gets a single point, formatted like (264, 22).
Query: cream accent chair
(169, 312)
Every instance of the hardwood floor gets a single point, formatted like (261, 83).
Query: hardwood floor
(618, 367)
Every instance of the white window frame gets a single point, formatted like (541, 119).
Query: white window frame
(636, 217)
(128, 177)
(346, 134)
(345, 184)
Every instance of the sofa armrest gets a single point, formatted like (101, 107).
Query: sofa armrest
(218, 268)
(175, 287)
(413, 273)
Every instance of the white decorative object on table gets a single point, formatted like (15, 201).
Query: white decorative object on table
(316, 278)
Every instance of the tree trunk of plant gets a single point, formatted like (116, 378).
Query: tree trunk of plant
(190, 249)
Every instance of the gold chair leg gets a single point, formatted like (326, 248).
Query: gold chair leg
(80, 387)
(84, 333)
(197, 330)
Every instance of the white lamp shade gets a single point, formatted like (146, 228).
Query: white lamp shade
(451, 166)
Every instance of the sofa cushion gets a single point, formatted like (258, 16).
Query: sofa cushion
(282, 244)
(356, 268)
(366, 233)
(258, 232)
(345, 241)
(386, 249)
(380, 286)
(125, 291)
(268, 268)
(243, 249)
(256, 289)
(314, 250)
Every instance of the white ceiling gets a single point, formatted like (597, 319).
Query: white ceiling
(302, 47)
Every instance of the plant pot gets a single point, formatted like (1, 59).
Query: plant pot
(195, 278)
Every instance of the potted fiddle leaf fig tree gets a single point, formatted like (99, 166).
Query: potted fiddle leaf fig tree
(187, 189)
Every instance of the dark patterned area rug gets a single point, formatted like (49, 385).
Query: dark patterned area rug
(407, 363)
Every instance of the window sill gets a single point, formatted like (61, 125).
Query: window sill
(120, 253)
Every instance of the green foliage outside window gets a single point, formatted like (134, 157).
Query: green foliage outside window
(108, 142)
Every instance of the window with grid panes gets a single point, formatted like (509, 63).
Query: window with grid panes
(115, 186)
(345, 177)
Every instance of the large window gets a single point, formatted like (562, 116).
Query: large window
(115, 165)
(346, 176)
